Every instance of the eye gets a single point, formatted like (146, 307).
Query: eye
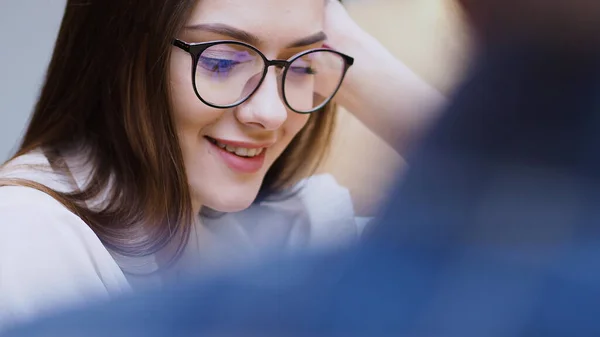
(303, 66)
(303, 70)
(224, 60)
(217, 65)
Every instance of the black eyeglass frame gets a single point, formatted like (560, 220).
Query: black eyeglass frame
(196, 49)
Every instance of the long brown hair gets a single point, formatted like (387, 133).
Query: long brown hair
(107, 89)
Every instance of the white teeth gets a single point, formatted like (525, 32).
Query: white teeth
(240, 151)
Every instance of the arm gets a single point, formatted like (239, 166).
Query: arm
(379, 90)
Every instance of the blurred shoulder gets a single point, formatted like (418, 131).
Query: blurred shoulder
(328, 208)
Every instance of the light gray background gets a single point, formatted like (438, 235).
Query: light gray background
(28, 30)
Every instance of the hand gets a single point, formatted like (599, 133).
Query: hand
(343, 33)
(379, 90)
(346, 36)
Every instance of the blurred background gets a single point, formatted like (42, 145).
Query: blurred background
(427, 35)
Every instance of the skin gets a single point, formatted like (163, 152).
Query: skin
(381, 91)
(262, 120)
(389, 99)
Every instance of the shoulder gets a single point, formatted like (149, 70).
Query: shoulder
(34, 167)
(29, 209)
(328, 208)
(48, 256)
(25, 162)
(316, 214)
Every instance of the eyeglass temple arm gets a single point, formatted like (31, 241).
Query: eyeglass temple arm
(181, 44)
(349, 60)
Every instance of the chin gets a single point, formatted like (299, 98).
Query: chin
(230, 200)
(231, 207)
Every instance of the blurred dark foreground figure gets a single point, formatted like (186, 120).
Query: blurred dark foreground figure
(493, 232)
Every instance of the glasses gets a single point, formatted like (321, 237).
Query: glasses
(225, 74)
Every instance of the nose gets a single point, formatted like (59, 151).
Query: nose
(264, 109)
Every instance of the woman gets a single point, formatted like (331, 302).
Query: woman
(154, 112)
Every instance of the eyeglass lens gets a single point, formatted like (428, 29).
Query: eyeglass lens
(228, 73)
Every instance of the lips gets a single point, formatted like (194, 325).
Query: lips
(238, 150)
(240, 157)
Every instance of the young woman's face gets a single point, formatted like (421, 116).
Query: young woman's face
(256, 132)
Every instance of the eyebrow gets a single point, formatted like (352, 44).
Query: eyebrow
(249, 38)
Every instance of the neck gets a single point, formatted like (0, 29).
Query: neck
(196, 206)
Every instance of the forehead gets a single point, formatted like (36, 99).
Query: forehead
(273, 21)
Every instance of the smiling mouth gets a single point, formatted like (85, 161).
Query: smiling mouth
(238, 151)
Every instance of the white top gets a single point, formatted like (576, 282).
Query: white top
(49, 258)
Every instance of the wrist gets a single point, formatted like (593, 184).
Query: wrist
(353, 41)
(374, 69)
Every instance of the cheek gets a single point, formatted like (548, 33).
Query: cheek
(190, 115)
(293, 125)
